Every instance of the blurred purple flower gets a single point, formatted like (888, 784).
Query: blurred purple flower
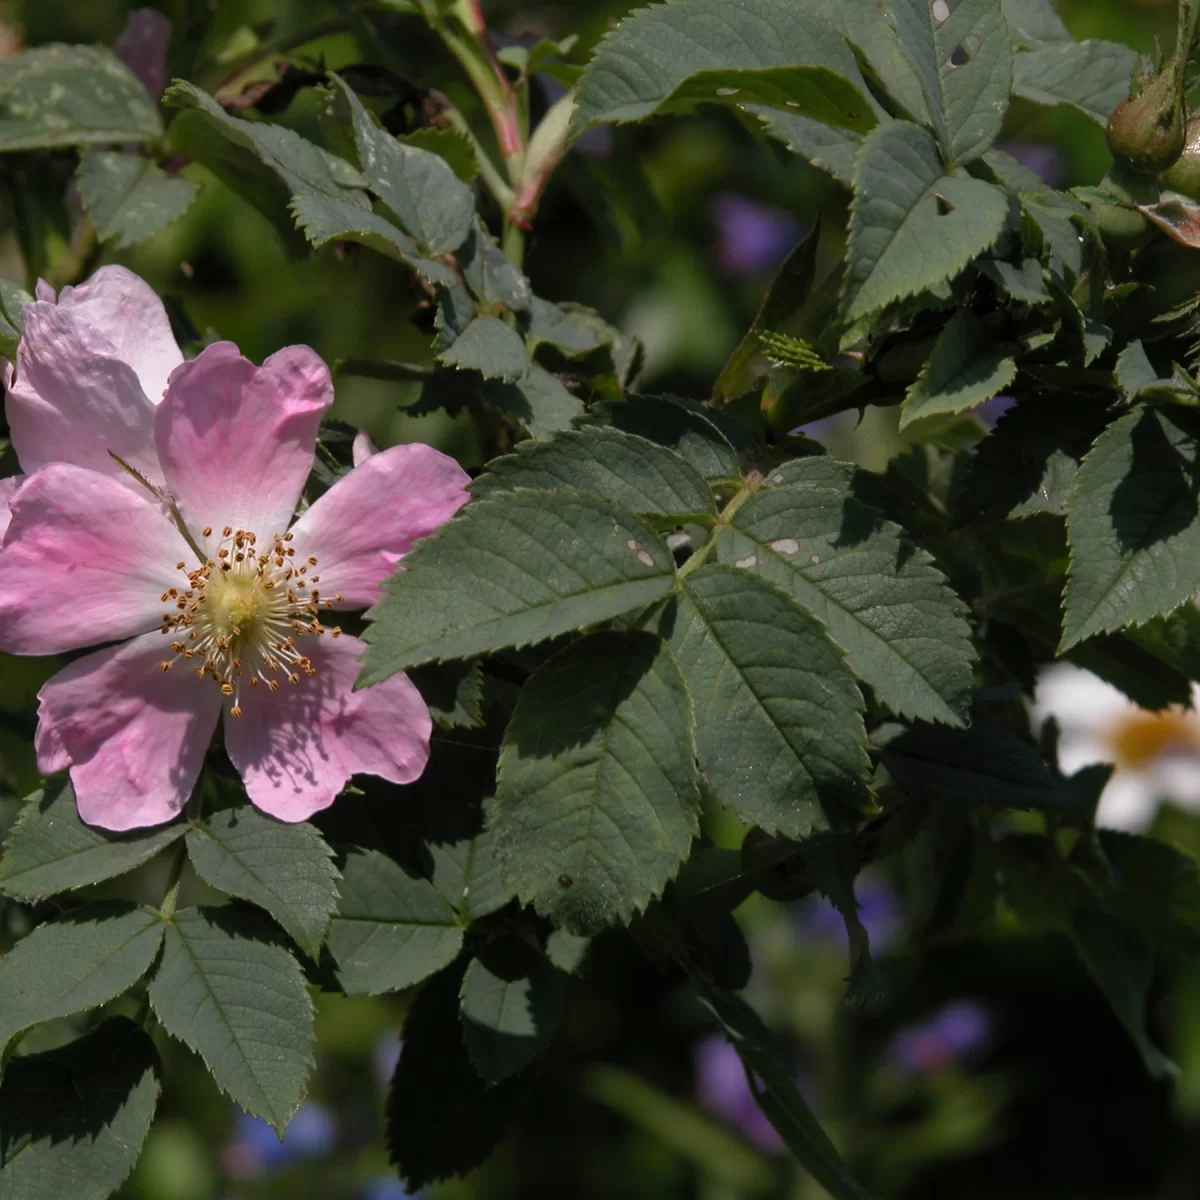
(255, 1149)
(958, 1032)
(751, 238)
(878, 909)
(1041, 159)
(722, 1090)
(388, 1188)
(990, 411)
(142, 47)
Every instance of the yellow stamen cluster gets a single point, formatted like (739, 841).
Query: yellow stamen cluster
(242, 613)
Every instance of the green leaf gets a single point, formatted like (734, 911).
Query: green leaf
(1091, 76)
(420, 189)
(882, 599)
(575, 332)
(984, 764)
(912, 226)
(453, 692)
(511, 1003)
(453, 145)
(833, 150)
(766, 1061)
(628, 470)
(490, 347)
(50, 850)
(774, 51)
(1027, 464)
(392, 929)
(490, 274)
(537, 399)
(76, 962)
(1123, 967)
(442, 1119)
(72, 96)
(227, 989)
(12, 324)
(1157, 889)
(283, 868)
(567, 951)
(1133, 523)
(1032, 22)
(467, 874)
(1138, 379)
(965, 65)
(130, 198)
(519, 569)
(966, 367)
(675, 423)
(73, 1120)
(596, 796)
(325, 219)
(1022, 281)
(779, 729)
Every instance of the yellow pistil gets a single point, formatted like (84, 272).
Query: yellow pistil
(243, 612)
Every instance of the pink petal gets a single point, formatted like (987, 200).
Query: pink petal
(75, 398)
(142, 47)
(8, 489)
(133, 736)
(85, 560)
(361, 528)
(363, 448)
(126, 310)
(296, 748)
(236, 441)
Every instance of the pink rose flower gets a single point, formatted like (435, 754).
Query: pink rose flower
(223, 622)
(91, 367)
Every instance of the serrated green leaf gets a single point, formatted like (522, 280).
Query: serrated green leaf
(983, 764)
(912, 226)
(490, 274)
(638, 474)
(576, 332)
(567, 951)
(966, 367)
(467, 873)
(1157, 889)
(645, 64)
(12, 324)
(1122, 964)
(1054, 216)
(1032, 22)
(1091, 76)
(596, 796)
(537, 399)
(392, 929)
(490, 347)
(442, 1120)
(50, 850)
(511, 1002)
(1022, 281)
(1138, 379)
(325, 219)
(73, 1120)
(130, 198)
(767, 1063)
(831, 149)
(453, 692)
(779, 730)
(227, 989)
(75, 962)
(674, 423)
(421, 190)
(451, 144)
(1133, 523)
(72, 96)
(882, 599)
(283, 868)
(523, 568)
(965, 65)
(1027, 464)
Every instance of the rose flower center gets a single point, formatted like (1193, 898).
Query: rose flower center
(242, 614)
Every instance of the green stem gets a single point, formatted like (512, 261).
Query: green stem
(73, 263)
(488, 172)
(513, 242)
(730, 511)
(166, 910)
(373, 368)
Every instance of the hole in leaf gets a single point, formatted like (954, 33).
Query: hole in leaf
(964, 51)
(940, 10)
(944, 207)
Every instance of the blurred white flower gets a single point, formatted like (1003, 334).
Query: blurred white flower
(1156, 755)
